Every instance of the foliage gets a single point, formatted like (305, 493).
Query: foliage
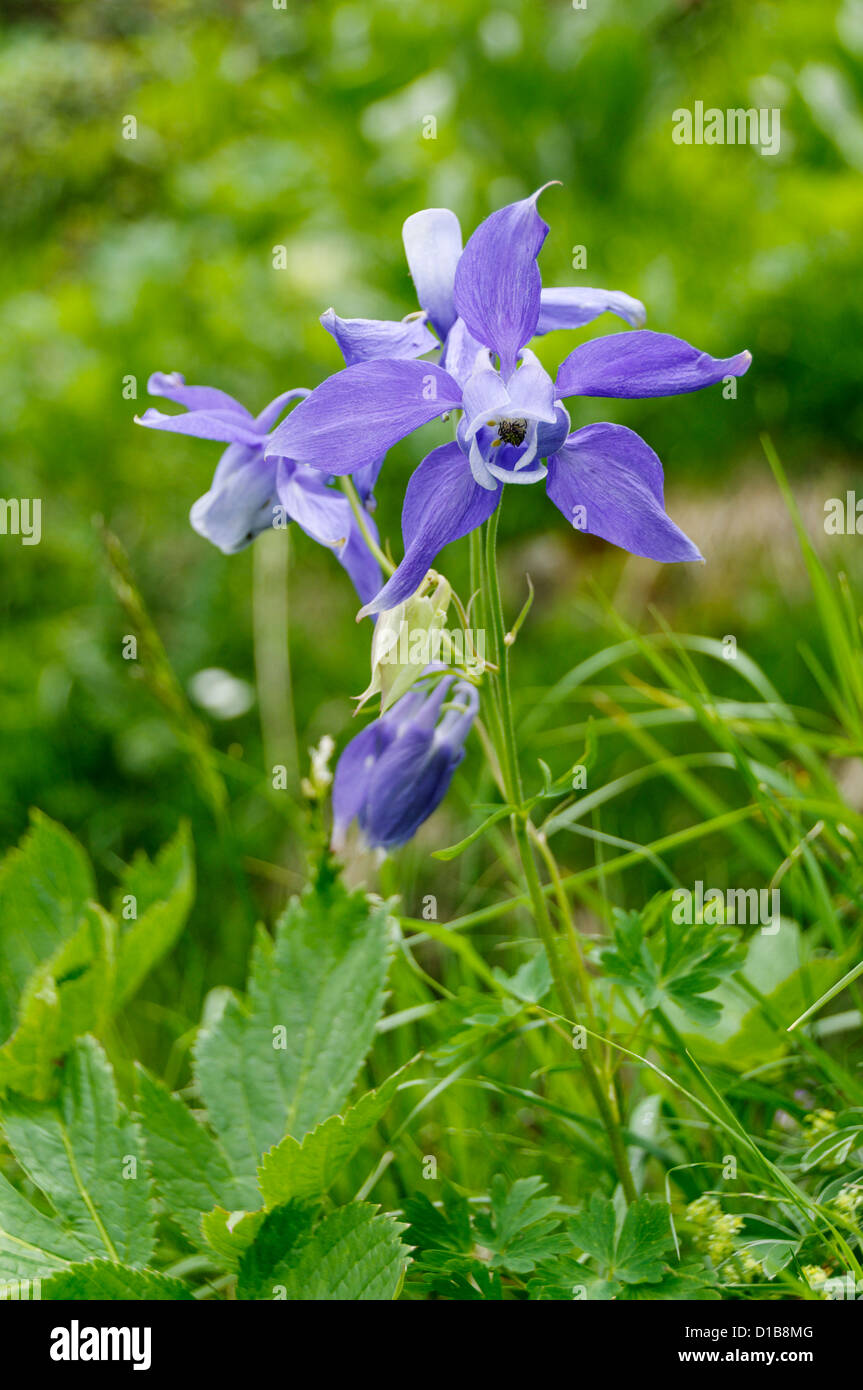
(67, 965)
(690, 962)
(196, 1105)
(86, 1153)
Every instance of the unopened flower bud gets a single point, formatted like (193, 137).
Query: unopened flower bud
(408, 639)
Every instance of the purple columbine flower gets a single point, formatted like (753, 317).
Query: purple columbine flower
(433, 247)
(487, 303)
(248, 488)
(397, 771)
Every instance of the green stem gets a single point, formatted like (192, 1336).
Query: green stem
(271, 627)
(507, 749)
(566, 917)
(347, 486)
(602, 1101)
(501, 658)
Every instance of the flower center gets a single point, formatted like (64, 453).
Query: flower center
(512, 431)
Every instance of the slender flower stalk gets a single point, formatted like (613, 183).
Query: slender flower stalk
(362, 519)
(507, 751)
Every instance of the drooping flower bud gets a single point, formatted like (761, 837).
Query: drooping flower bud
(392, 776)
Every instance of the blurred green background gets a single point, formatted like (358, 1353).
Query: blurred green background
(303, 127)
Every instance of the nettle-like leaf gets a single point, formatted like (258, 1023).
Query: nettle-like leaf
(190, 1168)
(677, 963)
(307, 1170)
(216, 1208)
(84, 1154)
(160, 893)
(353, 1254)
(68, 995)
(55, 955)
(245, 1179)
(100, 1279)
(228, 1234)
(65, 965)
(44, 887)
(285, 1058)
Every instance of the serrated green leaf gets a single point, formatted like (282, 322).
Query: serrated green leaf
(67, 996)
(32, 1245)
(45, 885)
(56, 957)
(230, 1233)
(285, 1058)
(594, 1229)
(354, 1254)
(281, 1236)
(190, 1169)
(100, 1279)
(307, 1170)
(645, 1234)
(64, 967)
(84, 1153)
(163, 891)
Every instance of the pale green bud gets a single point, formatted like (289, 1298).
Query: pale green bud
(406, 640)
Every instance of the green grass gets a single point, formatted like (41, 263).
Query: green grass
(734, 764)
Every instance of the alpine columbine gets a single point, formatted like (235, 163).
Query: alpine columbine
(248, 488)
(487, 303)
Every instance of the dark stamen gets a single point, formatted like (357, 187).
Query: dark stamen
(512, 431)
